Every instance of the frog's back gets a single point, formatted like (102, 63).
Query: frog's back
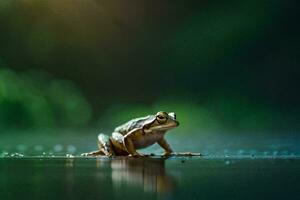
(132, 124)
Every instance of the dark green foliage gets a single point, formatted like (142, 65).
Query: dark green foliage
(35, 100)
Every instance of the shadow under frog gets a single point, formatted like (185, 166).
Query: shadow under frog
(148, 174)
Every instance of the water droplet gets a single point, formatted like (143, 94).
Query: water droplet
(4, 154)
(16, 155)
(69, 156)
(226, 153)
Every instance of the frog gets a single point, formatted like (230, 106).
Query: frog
(137, 134)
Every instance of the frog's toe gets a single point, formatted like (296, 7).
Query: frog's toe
(110, 155)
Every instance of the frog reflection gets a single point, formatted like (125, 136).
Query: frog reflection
(149, 174)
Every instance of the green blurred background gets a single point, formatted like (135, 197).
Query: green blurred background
(229, 66)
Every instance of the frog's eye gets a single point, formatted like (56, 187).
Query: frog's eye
(161, 119)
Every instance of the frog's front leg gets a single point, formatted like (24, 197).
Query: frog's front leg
(128, 143)
(165, 145)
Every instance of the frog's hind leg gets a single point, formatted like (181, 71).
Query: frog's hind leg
(105, 145)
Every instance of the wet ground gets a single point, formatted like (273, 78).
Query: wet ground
(233, 167)
(150, 178)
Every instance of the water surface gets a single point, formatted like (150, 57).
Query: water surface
(149, 178)
(234, 166)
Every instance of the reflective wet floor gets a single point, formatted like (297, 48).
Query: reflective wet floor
(234, 166)
(149, 178)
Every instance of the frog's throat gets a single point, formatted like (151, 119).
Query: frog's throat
(160, 128)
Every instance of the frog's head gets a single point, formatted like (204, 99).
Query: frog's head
(164, 121)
